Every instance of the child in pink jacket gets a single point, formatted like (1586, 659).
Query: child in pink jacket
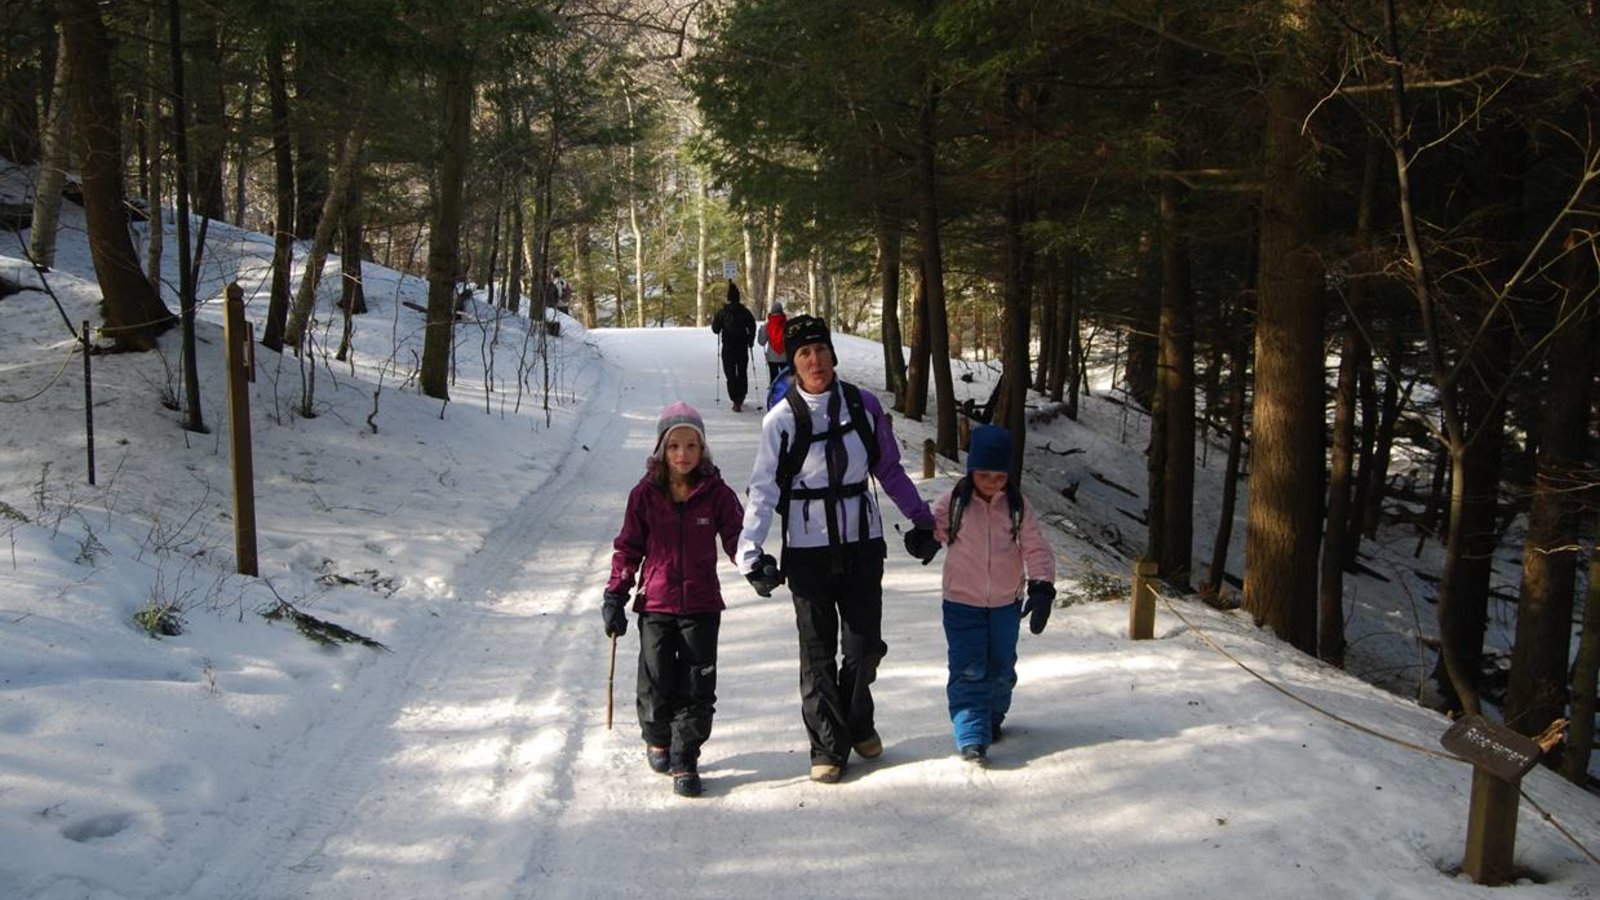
(997, 569)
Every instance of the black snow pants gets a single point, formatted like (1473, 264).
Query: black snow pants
(677, 680)
(837, 614)
(736, 365)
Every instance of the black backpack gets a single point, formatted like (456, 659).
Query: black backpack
(792, 456)
(963, 496)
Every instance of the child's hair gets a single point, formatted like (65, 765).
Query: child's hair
(656, 469)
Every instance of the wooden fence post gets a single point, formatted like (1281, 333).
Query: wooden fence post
(927, 458)
(1142, 605)
(239, 345)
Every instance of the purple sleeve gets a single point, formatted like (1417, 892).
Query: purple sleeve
(628, 548)
(890, 473)
(730, 522)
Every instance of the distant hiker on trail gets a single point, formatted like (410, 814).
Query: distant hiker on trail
(817, 451)
(771, 337)
(676, 514)
(737, 326)
(994, 543)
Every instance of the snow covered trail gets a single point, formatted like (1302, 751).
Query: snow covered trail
(482, 767)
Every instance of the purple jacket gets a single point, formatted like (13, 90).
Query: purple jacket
(677, 545)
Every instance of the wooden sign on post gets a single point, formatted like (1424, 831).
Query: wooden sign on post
(1499, 757)
(240, 353)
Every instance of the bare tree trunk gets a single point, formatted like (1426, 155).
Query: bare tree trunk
(772, 262)
(305, 298)
(134, 314)
(353, 297)
(700, 251)
(1175, 385)
(933, 275)
(1240, 352)
(156, 239)
(1354, 356)
(916, 405)
(894, 360)
(1585, 672)
(1287, 453)
(513, 292)
(55, 149)
(444, 260)
(208, 126)
(1538, 692)
(283, 171)
(193, 420)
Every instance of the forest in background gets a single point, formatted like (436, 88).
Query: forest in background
(1356, 239)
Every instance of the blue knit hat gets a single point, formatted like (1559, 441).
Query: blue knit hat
(990, 451)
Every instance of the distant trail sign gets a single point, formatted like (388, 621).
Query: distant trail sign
(730, 269)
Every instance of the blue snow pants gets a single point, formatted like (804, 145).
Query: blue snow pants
(983, 667)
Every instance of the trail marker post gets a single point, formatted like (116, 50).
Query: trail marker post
(1142, 605)
(1499, 757)
(239, 344)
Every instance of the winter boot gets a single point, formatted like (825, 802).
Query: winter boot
(976, 755)
(870, 747)
(685, 775)
(658, 758)
(826, 772)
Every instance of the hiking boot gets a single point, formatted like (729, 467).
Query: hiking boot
(871, 747)
(686, 784)
(658, 758)
(976, 754)
(826, 773)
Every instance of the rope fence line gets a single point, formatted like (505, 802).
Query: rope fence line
(1409, 745)
(72, 351)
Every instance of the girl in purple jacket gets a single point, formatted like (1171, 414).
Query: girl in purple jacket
(676, 515)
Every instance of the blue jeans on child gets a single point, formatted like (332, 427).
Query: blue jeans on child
(983, 667)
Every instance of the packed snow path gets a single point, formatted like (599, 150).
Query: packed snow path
(479, 765)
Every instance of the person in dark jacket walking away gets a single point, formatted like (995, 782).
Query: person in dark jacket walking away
(818, 449)
(675, 517)
(998, 569)
(737, 325)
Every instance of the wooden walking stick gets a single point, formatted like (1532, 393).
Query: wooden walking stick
(611, 679)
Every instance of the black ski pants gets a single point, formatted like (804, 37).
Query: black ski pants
(677, 680)
(838, 614)
(736, 366)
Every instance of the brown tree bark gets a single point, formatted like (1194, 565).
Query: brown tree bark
(889, 239)
(444, 246)
(283, 171)
(1286, 452)
(134, 314)
(938, 322)
(1538, 692)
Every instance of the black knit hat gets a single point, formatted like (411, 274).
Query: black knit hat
(802, 330)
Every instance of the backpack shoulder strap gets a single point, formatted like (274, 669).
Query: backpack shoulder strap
(958, 506)
(792, 453)
(1014, 501)
(861, 422)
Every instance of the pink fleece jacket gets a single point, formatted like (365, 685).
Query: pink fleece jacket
(984, 566)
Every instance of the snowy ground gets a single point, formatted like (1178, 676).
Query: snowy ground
(471, 760)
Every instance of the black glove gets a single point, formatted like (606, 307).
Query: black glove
(614, 610)
(765, 577)
(1041, 599)
(921, 543)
